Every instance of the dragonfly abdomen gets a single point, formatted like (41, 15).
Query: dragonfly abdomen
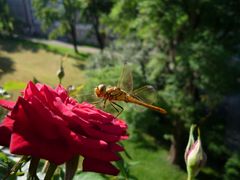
(135, 101)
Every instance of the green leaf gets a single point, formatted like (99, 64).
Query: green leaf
(5, 165)
(88, 176)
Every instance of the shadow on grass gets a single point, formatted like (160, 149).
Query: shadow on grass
(16, 44)
(6, 65)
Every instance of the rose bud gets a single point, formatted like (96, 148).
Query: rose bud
(60, 72)
(195, 157)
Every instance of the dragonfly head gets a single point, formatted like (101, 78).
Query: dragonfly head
(100, 90)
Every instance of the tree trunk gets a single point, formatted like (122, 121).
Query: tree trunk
(74, 37)
(100, 37)
(177, 148)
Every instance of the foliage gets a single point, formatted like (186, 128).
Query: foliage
(88, 175)
(187, 57)
(217, 152)
(131, 51)
(51, 11)
(92, 11)
(122, 17)
(205, 112)
(5, 165)
(64, 16)
(232, 167)
(6, 21)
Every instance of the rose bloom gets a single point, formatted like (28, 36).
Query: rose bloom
(48, 124)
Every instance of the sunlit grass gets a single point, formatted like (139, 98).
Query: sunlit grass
(24, 61)
(14, 85)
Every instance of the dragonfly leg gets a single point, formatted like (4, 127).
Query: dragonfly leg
(104, 104)
(97, 102)
(119, 112)
(114, 107)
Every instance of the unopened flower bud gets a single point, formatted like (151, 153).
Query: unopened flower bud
(195, 157)
(60, 72)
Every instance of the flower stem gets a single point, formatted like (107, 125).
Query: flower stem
(45, 167)
(51, 169)
(190, 177)
(32, 171)
(71, 167)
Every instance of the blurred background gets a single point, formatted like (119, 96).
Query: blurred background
(188, 50)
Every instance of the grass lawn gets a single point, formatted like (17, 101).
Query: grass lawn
(20, 61)
(149, 161)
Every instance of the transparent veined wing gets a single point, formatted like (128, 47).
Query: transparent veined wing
(81, 93)
(146, 94)
(125, 81)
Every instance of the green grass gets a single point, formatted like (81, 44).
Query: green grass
(13, 85)
(22, 60)
(149, 161)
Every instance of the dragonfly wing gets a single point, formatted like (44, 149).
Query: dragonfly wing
(82, 93)
(146, 94)
(125, 81)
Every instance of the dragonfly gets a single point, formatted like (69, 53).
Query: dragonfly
(124, 92)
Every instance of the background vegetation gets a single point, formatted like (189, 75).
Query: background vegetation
(188, 50)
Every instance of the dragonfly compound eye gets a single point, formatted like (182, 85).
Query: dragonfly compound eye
(100, 90)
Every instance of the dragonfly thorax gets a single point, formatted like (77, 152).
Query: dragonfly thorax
(100, 90)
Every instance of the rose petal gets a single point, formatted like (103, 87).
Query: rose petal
(104, 155)
(32, 91)
(6, 131)
(94, 165)
(116, 147)
(61, 92)
(49, 150)
(7, 104)
(27, 116)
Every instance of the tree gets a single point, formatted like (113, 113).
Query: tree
(92, 12)
(69, 13)
(65, 13)
(194, 43)
(6, 21)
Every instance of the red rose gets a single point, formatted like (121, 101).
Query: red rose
(48, 124)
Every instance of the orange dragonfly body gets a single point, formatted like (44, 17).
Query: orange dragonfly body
(123, 92)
